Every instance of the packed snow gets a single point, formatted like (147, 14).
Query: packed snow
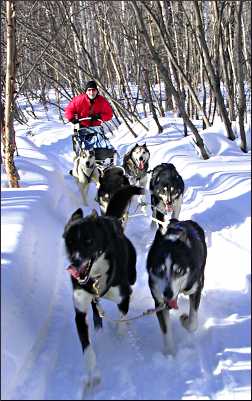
(41, 352)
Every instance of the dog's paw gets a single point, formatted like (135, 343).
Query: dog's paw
(169, 351)
(90, 383)
(190, 325)
(93, 380)
(122, 328)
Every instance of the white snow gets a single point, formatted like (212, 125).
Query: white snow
(41, 353)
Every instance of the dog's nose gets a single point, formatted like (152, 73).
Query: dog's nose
(76, 262)
(87, 163)
(168, 293)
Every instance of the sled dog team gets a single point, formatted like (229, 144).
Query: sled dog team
(103, 260)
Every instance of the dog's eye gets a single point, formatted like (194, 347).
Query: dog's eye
(178, 270)
(162, 268)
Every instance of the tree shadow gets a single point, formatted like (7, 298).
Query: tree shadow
(223, 213)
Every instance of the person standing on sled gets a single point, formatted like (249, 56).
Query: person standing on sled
(97, 108)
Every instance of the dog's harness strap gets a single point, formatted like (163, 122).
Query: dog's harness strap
(145, 313)
(89, 177)
(162, 223)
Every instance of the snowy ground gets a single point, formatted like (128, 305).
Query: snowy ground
(41, 354)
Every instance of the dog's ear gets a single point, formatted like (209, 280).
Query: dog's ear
(94, 214)
(118, 227)
(78, 214)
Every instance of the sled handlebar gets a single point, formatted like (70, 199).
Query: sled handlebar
(89, 118)
(84, 118)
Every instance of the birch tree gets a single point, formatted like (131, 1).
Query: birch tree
(240, 78)
(163, 71)
(9, 133)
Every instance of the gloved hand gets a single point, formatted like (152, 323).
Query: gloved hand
(74, 120)
(95, 117)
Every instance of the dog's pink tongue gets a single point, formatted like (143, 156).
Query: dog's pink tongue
(73, 271)
(168, 207)
(172, 303)
(141, 165)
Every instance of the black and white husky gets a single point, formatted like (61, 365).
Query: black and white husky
(175, 264)
(102, 264)
(136, 165)
(85, 170)
(111, 180)
(166, 188)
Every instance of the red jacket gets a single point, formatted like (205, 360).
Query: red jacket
(83, 107)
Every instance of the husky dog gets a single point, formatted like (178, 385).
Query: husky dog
(102, 264)
(85, 170)
(166, 188)
(136, 164)
(111, 179)
(175, 264)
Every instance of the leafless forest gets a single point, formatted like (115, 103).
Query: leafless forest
(199, 50)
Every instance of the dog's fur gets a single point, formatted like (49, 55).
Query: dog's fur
(101, 257)
(136, 165)
(85, 170)
(166, 188)
(175, 264)
(111, 179)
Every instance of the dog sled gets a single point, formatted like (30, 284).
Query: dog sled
(94, 138)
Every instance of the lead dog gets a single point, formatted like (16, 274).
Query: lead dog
(175, 264)
(85, 171)
(111, 179)
(136, 164)
(166, 188)
(102, 264)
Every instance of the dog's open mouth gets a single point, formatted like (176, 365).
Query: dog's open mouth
(171, 303)
(81, 273)
(141, 165)
(168, 207)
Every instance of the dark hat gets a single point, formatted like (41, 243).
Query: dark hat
(91, 84)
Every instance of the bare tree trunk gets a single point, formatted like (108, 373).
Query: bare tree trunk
(224, 59)
(9, 140)
(175, 67)
(152, 107)
(240, 76)
(214, 79)
(246, 55)
(76, 44)
(163, 71)
(203, 88)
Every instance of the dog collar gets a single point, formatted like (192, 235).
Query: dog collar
(88, 177)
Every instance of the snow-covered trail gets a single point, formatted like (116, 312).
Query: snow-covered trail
(132, 364)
